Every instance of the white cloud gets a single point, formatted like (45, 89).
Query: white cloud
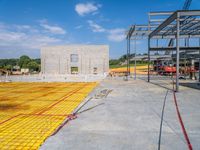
(23, 27)
(8, 36)
(86, 8)
(15, 37)
(2, 26)
(95, 27)
(53, 29)
(116, 35)
(38, 41)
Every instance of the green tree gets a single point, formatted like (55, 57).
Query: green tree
(37, 60)
(5, 62)
(33, 66)
(114, 62)
(123, 58)
(8, 67)
(23, 61)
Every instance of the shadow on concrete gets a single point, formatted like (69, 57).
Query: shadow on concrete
(191, 85)
(157, 84)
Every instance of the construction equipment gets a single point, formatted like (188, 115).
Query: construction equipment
(186, 6)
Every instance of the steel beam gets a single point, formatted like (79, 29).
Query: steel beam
(173, 48)
(161, 13)
(164, 24)
(174, 36)
(190, 13)
(130, 32)
(157, 20)
(172, 18)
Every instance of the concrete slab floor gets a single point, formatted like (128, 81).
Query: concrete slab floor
(130, 119)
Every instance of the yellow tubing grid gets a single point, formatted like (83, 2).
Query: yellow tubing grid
(31, 112)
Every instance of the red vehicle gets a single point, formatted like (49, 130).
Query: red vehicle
(168, 69)
(164, 67)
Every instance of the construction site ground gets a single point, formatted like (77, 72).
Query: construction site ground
(129, 118)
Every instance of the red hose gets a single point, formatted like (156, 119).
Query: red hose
(181, 121)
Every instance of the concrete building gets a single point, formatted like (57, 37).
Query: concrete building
(75, 59)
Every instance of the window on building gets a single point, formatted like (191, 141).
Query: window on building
(95, 70)
(74, 58)
(74, 70)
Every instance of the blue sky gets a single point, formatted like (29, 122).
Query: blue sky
(27, 25)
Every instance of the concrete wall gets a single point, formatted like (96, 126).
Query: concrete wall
(56, 59)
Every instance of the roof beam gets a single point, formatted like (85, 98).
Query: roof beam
(173, 48)
(164, 24)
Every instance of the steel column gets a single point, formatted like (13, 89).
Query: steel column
(135, 61)
(177, 51)
(199, 61)
(148, 59)
(127, 55)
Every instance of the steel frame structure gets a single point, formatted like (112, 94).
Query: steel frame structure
(141, 32)
(136, 32)
(179, 25)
